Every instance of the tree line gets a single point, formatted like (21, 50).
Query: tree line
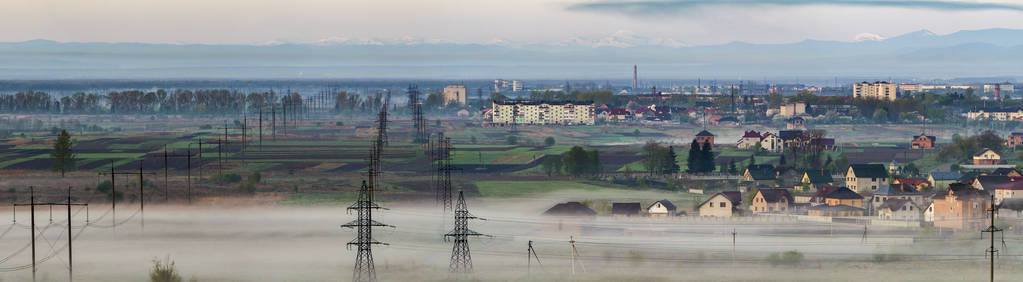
(576, 162)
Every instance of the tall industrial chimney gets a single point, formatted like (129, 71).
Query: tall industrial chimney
(998, 90)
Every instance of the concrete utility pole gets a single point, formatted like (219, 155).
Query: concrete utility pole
(575, 255)
(992, 229)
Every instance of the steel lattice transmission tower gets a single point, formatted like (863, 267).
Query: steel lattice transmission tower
(364, 206)
(461, 260)
(416, 105)
(443, 152)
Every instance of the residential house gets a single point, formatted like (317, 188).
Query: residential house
(834, 211)
(987, 157)
(866, 178)
(705, 136)
(923, 142)
(812, 179)
(726, 121)
(572, 217)
(775, 200)
(723, 204)
(790, 135)
(961, 207)
(1006, 171)
(896, 192)
(1014, 139)
(989, 182)
(899, 209)
(661, 208)
(1011, 190)
(843, 197)
(625, 209)
(772, 143)
(788, 176)
(825, 144)
(749, 140)
(818, 197)
(760, 175)
(941, 179)
(894, 168)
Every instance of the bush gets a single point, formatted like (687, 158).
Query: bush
(255, 177)
(512, 140)
(103, 187)
(206, 126)
(229, 178)
(549, 141)
(787, 258)
(248, 187)
(163, 271)
(340, 123)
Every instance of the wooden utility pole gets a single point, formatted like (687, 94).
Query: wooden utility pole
(32, 204)
(530, 254)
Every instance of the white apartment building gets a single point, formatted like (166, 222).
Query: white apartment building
(543, 112)
(878, 90)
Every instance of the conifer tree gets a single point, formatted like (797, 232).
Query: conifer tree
(63, 157)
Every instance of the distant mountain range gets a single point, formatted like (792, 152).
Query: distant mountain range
(921, 54)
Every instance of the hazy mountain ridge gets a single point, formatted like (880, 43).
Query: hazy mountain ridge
(989, 52)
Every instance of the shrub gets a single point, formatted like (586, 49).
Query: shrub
(206, 126)
(248, 187)
(163, 271)
(549, 141)
(229, 178)
(787, 258)
(512, 140)
(340, 123)
(255, 177)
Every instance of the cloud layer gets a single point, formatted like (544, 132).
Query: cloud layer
(673, 6)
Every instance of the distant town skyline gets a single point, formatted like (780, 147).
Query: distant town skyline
(617, 23)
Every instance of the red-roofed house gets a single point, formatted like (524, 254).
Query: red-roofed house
(923, 142)
(749, 140)
(1014, 139)
(705, 136)
(919, 184)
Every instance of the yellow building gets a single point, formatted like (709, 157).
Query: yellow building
(542, 112)
(878, 90)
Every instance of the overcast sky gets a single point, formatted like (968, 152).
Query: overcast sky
(611, 22)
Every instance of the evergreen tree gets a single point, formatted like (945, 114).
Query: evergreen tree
(63, 157)
(781, 161)
(731, 167)
(694, 157)
(752, 160)
(707, 157)
(671, 161)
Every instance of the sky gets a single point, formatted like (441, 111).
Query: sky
(596, 23)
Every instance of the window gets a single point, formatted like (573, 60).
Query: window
(722, 204)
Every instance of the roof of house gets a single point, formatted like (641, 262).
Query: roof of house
(751, 134)
(894, 204)
(570, 209)
(1005, 171)
(985, 150)
(835, 208)
(667, 204)
(897, 190)
(843, 193)
(913, 181)
(989, 182)
(819, 176)
(1012, 185)
(704, 133)
(789, 134)
(775, 195)
(733, 196)
(762, 172)
(821, 192)
(869, 170)
(964, 191)
(625, 208)
(823, 141)
(946, 175)
(731, 119)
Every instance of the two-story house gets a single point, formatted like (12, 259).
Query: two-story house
(923, 142)
(866, 178)
(899, 209)
(749, 140)
(961, 207)
(899, 191)
(987, 157)
(814, 178)
(772, 143)
(941, 179)
(760, 175)
(704, 137)
(775, 200)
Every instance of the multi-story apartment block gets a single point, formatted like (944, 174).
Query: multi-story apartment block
(543, 112)
(878, 90)
(454, 94)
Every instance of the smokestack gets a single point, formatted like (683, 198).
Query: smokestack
(635, 78)
(998, 89)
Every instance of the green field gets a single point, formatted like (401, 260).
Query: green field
(520, 188)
